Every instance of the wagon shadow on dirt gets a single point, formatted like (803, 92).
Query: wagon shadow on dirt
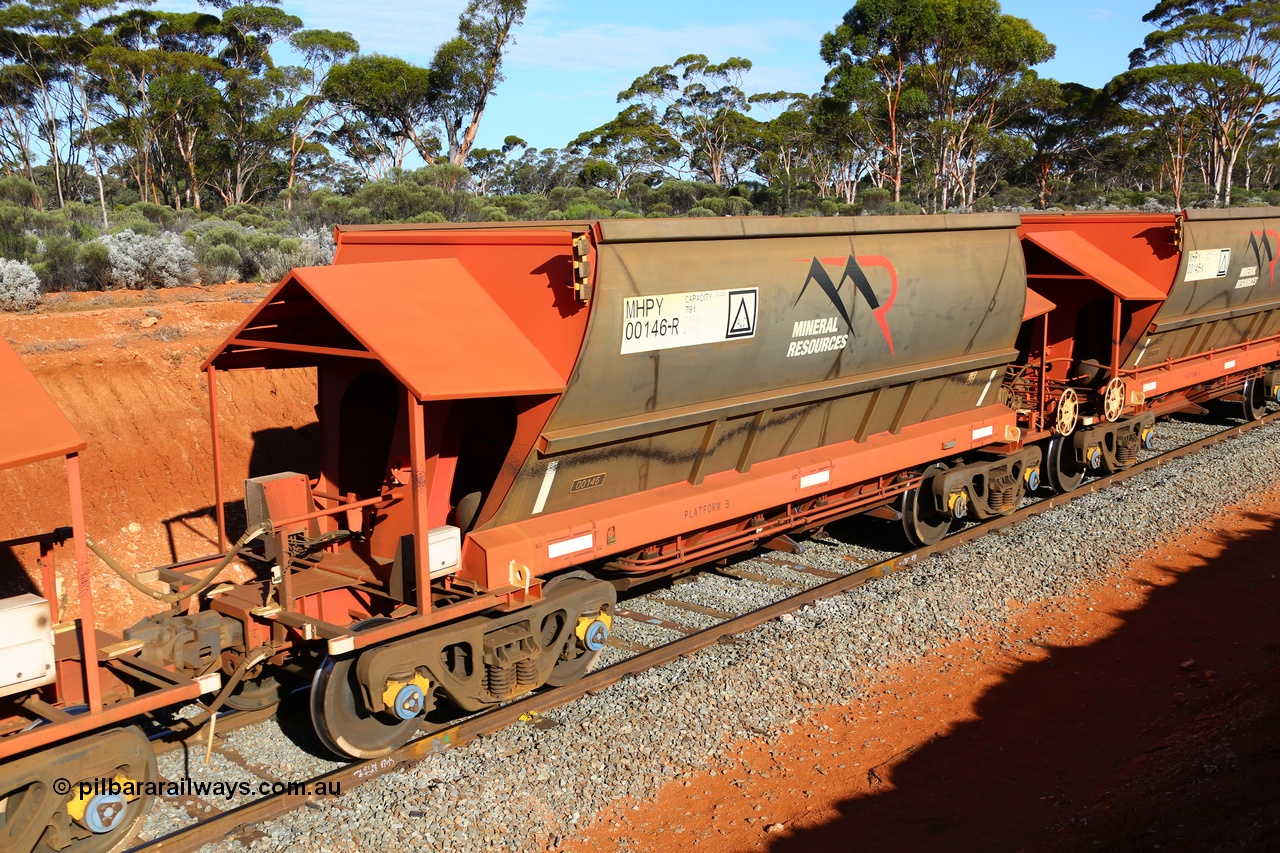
(1162, 733)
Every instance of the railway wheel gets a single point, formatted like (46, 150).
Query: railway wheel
(590, 632)
(341, 720)
(84, 796)
(257, 694)
(1254, 404)
(1061, 469)
(921, 521)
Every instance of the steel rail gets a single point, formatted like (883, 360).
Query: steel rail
(489, 722)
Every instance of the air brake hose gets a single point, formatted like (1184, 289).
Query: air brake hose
(201, 585)
(210, 714)
(254, 658)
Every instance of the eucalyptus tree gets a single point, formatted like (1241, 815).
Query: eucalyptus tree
(466, 69)
(490, 167)
(375, 155)
(1060, 123)
(384, 96)
(972, 60)
(301, 110)
(632, 143)
(43, 45)
(1233, 50)
(250, 137)
(932, 81)
(1168, 101)
(541, 171)
(699, 107)
(874, 75)
(844, 151)
(17, 100)
(156, 75)
(1262, 156)
(785, 139)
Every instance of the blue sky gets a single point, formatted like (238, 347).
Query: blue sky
(571, 59)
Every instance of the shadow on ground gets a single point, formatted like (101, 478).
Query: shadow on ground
(1118, 745)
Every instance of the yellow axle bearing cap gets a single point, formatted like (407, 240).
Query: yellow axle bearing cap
(584, 622)
(394, 687)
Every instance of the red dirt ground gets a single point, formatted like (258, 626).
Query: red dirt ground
(1143, 714)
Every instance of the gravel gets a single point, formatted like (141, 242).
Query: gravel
(529, 787)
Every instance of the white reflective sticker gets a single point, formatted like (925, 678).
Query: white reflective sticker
(986, 388)
(1142, 352)
(548, 477)
(817, 478)
(984, 432)
(1148, 386)
(1205, 264)
(1227, 365)
(670, 320)
(570, 546)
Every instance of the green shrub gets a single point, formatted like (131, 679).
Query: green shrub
(223, 234)
(260, 242)
(585, 210)
(235, 211)
(135, 226)
(221, 263)
(94, 260)
(876, 200)
(59, 268)
(16, 190)
(427, 218)
(156, 213)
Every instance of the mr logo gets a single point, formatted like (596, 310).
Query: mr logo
(853, 272)
(1263, 245)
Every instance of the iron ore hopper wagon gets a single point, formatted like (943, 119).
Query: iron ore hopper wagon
(518, 420)
(69, 692)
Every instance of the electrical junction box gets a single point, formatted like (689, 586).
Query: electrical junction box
(26, 644)
(277, 497)
(444, 550)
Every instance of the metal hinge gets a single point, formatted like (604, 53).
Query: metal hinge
(582, 268)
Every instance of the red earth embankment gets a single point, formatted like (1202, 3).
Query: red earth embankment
(125, 369)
